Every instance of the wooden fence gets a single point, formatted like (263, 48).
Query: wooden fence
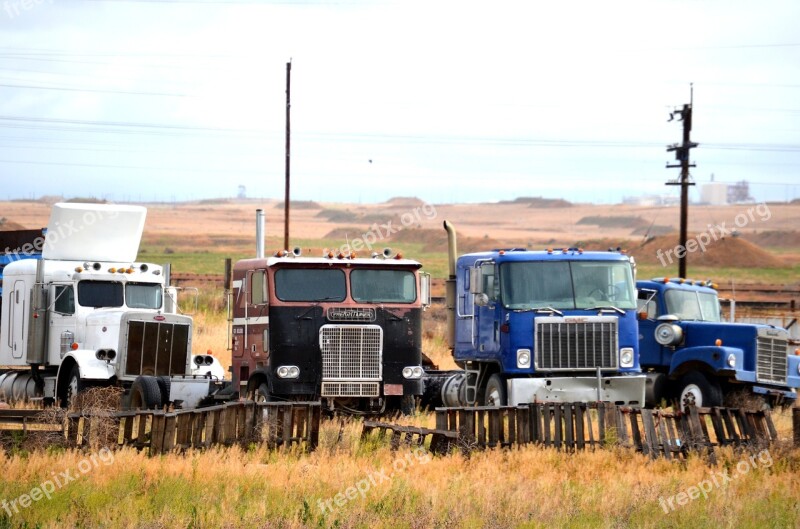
(278, 424)
(578, 426)
(441, 441)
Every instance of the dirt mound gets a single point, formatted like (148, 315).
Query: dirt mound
(776, 239)
(734, 252)
(539, 202)
(405, 201)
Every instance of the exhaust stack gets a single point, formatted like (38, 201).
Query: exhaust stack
(259, 233)
(450, 284)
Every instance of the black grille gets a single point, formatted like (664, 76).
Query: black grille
(157, 348)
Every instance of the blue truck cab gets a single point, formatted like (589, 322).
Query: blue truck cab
(690, 354)
(536, 326)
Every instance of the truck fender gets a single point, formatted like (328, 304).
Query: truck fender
(711, 358)
(90, 367)
(258, 377)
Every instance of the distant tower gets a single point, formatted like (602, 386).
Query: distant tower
(242, 194)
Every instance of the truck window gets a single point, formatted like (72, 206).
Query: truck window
(258, 287)
(383, 286)
(65, 300)
(98, 294)
(567, 285)
(692, 305)
(647, 303)
(310, 284)
(143, 295)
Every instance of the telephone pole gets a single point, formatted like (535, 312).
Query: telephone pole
(288, 139)
(682, 155)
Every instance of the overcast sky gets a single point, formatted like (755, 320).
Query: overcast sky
(448, 101)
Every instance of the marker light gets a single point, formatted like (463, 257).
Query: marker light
(718, 342)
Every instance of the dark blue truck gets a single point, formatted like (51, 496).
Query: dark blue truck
(691, 355)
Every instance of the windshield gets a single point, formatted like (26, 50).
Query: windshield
(310, 284)
(692, 305)
(98, 294)
(383, 286)
(567, 285)
(143, 295)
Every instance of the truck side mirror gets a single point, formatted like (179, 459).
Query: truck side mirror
(425, 289)
(475, 281)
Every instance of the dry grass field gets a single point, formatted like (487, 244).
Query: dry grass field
(347, 483)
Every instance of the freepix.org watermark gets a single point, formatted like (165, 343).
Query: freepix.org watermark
(15, 8)
(381, 232)
(715, 481)
(57, 481)
(418, 456)
(715, 233)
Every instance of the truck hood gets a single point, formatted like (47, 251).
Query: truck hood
(703, 333)
(101, 329)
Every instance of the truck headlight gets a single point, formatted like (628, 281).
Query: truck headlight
(412, 372)
(626, 357)
(669, 334)
(731, 360)
(523, 358)
(105, 354)
(288, 371)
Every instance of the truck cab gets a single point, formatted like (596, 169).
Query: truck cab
(89, 314)
(554, 325)
(690, 354)
(340, 328)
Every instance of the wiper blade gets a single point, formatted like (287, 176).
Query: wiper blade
(608, 307)
(551, 310)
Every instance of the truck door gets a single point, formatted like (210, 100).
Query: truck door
(19, 312)
(61, 332)
(647, 306)
(487, 328)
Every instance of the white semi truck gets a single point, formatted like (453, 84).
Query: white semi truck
(89, 314)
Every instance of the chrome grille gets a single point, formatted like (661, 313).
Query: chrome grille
(351, 352)
(771, 359)
(350, 389)
(578, 343)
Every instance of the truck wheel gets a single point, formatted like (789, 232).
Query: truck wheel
(495, 394)
(145, 393)
(164, 384)
(408, 404)
(74, 386)
(695, 388)
(262, 393)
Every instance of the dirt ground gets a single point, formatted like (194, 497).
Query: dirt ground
(735, 232)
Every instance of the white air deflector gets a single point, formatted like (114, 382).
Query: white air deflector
(94, 232)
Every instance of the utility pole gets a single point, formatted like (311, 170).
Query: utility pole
(682, 155)
(288, 139)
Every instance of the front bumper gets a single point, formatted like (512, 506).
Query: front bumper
(623, 389)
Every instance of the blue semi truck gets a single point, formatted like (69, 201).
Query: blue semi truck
(19, 244)
(690, 355)
(538, 326)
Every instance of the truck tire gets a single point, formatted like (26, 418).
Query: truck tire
(164, 385)
(495, 394)
(74, 386)
(262, 393)
(408, 404)
(145, 393)
(695, 388)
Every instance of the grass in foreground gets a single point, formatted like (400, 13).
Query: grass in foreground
(530, 487)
